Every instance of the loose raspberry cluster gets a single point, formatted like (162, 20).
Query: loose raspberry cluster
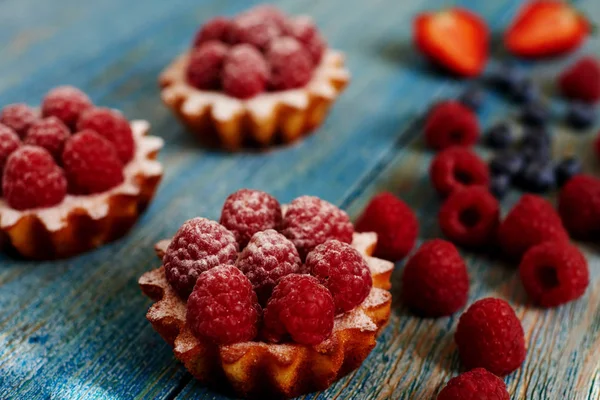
(266, 273)
(261, 49)
(68, 146)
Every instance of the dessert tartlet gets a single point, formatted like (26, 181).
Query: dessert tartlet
(254, 80)
(276, 301)
(74, 176)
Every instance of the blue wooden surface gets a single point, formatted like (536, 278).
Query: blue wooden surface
(76, 329)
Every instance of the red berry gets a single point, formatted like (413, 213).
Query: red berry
(579, 206)
(32, 179)
(254, 30)
(456, 168)
(268, 13)
(49, 133)
(66, 103)
(531, 221)
(435, 282)
(111, 125)
(245, 72)
(477, 384)
(470, 217)
(247, 211)
(18, 117)
(223, 307)
(343, 270)
(310, 221)
(395, 224)
(299, 307)
(489, 335)
(268, 256)
(581, 81)
(206, 62)
(9, 142)
(304, 30)
(214, 29)
(554, 273)
(91, 163)
(198, 245)
(451, 124)
(291, 64)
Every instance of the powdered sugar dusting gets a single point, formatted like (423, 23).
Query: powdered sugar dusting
(355, 319)
(378, 266)
(364, 242)
(376, 298)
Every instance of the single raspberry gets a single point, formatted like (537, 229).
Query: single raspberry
(111, 125)
(470, 217)
(49, 133)
(91, 163)
(32, 179)
(456, 168)
(66, 103)
(394, 222)
(268, 13)
(248, 211)
(9, 142)
(435, 282)
(291, 64)
(451, 124)
(245, 72)
(214, 29)
(342, 270)
(206, 62)
(223, 307)
(198, 245)
(254, 30)
(18, 117)
(299, 307)
(581, 81)
(304, 30)
(310, 221)
(579, 206)
(531, 221)
(554, 273)
(268, 256)
(476, 384)
(489, 335)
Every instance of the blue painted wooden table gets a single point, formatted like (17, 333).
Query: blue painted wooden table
(76, 329)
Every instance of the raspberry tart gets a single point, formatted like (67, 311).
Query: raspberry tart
(257, 79)
(74, 176)
(286, 312)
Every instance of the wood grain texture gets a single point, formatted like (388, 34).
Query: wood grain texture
(76, 329)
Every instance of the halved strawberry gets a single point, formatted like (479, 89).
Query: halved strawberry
(454, 38)
(545, 28)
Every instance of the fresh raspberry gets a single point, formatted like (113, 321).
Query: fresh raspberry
(310, 221)
(450, 123)
(18, 117)
(435, 282)
(291, 64)
(9, 142)
(206, 62)
(254, 30)
(395, 224)
(245, 72)
(223, 307)
(304, 30)
(581, 81)
(198, 245)
(342, 270)
(248, 211)
(531, 221)
(554, 273)
(268, 13)
(111, 125)
(299, 307)
(49, 133)
(579, 206)
(32, 179)
(66, 103)
(456, 168)
(489, 335)
(91, 163)
(470, 217)
(477, 384)
(268, 256)
(214, 29)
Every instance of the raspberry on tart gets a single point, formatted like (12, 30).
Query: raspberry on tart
(111, 125)
(49, 133)
(259, 78)
(9, 142)
(65, 103)
(18, 117)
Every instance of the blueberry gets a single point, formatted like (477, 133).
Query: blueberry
(524, 91)
(472, 98)
(537, 177)
(536, 137)
(506, 76)
(566, 169)
(535, 113)
(499, 185)
(581, 115)
(537, 154)
(500, 136)
(506, 162)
